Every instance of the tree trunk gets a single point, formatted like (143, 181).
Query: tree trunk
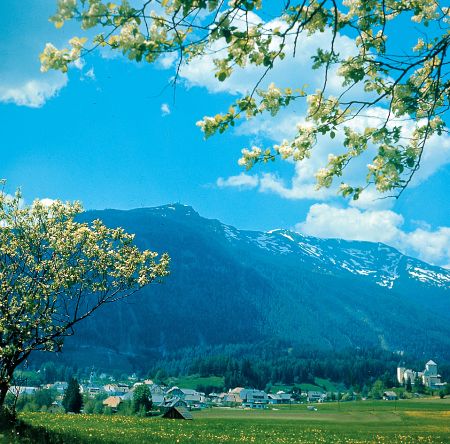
(4, 386)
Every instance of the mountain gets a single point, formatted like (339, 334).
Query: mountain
(229, 286)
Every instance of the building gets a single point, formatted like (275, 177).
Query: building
(177, 413)
(430, 376)
(389, 395)
(314, 396)
(191, 397)
(115, 389)
(113, 402)
(230, 399)
(254, 399)
(280, 398)
(60, 386)
(171, 403)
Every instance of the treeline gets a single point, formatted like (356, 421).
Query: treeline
(277, 362)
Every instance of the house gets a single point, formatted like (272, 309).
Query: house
(93, 391)
(56, 407)
(115, 389)
(230, 399)
(254, 399)
(389, 395)
(157, 399)
(113, 402)
(177, 413)
(314, 396)
(60, 386)
(155, 389)
(280, 398)
(215, 398)
(127, 396)
(191, 397)
(172, 402)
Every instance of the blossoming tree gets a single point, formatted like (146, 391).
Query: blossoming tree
(55, 272)
(408, 86)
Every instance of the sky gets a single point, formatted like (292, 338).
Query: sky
(115, 134)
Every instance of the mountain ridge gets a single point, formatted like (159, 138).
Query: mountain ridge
(230, 286)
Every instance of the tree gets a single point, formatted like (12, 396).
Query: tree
(408, 386)
(377, 389)
(55, 272)
(393, 94)
(142, 399)
(72, 400)
(419, 387)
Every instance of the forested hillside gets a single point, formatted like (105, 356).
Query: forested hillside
(238, 287)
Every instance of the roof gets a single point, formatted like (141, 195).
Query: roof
(172, 402)
(178, 413)
(430, 362)
(390, 393)
(112, 401)
(189, 391)
(237, 390)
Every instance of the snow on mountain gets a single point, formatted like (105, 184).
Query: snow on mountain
(378, 262)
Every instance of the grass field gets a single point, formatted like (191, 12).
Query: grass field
(408, 421)
(191, 382)
(319, 385)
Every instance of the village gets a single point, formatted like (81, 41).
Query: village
(166, 399)
(103, 394)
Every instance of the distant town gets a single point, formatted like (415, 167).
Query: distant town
(102, 393)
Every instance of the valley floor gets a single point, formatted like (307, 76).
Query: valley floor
(405, 421)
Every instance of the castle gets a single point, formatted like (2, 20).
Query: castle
(429, 376)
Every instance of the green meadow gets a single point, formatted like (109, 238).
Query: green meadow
(406, 421)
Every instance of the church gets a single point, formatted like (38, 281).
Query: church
(429, 376)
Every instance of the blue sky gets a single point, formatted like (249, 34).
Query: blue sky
(114, 135)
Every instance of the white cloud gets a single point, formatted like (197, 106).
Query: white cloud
(26, 30)
(33, 92)
(79, 63)
(241, 181)
(302, 184)
(384, 226)
(168, 60)
(165, 109)
(198, 72)
(90, 74)
(47, 202)
(297, 189)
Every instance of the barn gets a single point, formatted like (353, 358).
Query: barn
(178, 413)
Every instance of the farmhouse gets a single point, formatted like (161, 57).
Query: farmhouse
(112, 401)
